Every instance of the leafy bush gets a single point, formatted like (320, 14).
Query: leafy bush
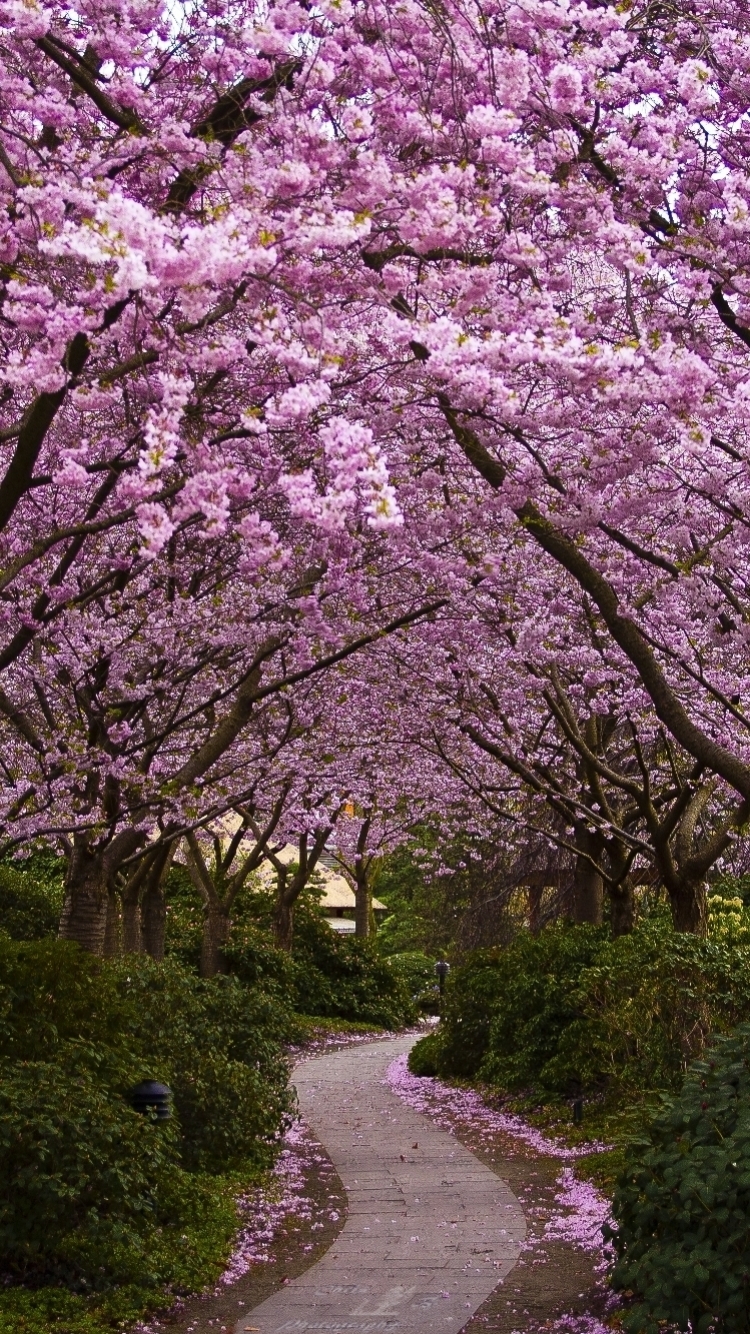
(219, 1045)
(52, 992)
(327, 974)
(82, 1176)
(94, 1192)
(682, 1207)
(424, 1057)
(31, 898)
(571, 1008)
(417, 972)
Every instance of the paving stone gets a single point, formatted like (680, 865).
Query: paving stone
(430, 1230)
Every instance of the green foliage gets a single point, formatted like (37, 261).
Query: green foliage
(417, 972)
(51, 993)
(682, 1207)
(424, 908)
(219, 1045)
(31, 896)
(425, 1056)
(83, 1178)
(573, 1008)
(92, 1193)
(190, 1253)
(327, 974)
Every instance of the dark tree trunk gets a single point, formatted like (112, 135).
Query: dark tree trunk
(534, 893)
(689, 907)
(283, 923)
(112, 929)
(622, 908)
(132, 938)
(84, 914)
(588, 886)
(216, 927)
(362, 908)
(154, 920)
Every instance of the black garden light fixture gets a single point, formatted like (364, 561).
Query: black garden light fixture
(442, 969)
(152, 1099)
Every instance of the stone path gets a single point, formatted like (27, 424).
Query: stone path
(430, 1230)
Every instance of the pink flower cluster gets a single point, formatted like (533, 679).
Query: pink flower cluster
(583, 1210)
(451, 1106)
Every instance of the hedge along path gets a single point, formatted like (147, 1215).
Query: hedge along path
(430, 1230)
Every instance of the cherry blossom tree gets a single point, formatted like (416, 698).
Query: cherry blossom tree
(305, 307)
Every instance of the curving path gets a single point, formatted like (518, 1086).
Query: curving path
(430, 1230)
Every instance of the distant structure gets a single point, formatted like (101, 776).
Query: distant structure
(337, 899)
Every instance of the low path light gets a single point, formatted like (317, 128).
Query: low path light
(152, 1098)
(442, 969)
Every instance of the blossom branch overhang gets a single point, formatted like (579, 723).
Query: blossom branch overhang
(225, 120)
(563, 803)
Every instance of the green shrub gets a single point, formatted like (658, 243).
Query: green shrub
(220, 1045)
(52, 992)
(505, 1010)
(327, 974)
(682, 1207)
(424, 1056)
(104, 1195)
(573, 1008)
(471, 996)
(417, 973)
(31, 895)
(82, 1176)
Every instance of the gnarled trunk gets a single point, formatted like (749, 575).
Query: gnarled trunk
(621, 907)
(216, 928)
(283, 922)
(132, 939)
(84, 914)
(534, 894)
(689, 905)
(588, 886)
(112, 928)
(362, 908)
(154, 920)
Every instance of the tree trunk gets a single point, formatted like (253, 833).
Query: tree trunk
(362, 909)
(622, 908)
(216, 927)
(84, 915)
(588, 886)
(112, 928)
(534, 892)
(132, 937)
(154, 920)
(283, 922)
(689, 907)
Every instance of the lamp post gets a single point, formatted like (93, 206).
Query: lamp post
(442, 969)
(152, 1099)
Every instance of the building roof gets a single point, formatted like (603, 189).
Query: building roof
(337, 892)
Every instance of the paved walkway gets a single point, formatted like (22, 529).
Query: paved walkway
(430, 1231)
